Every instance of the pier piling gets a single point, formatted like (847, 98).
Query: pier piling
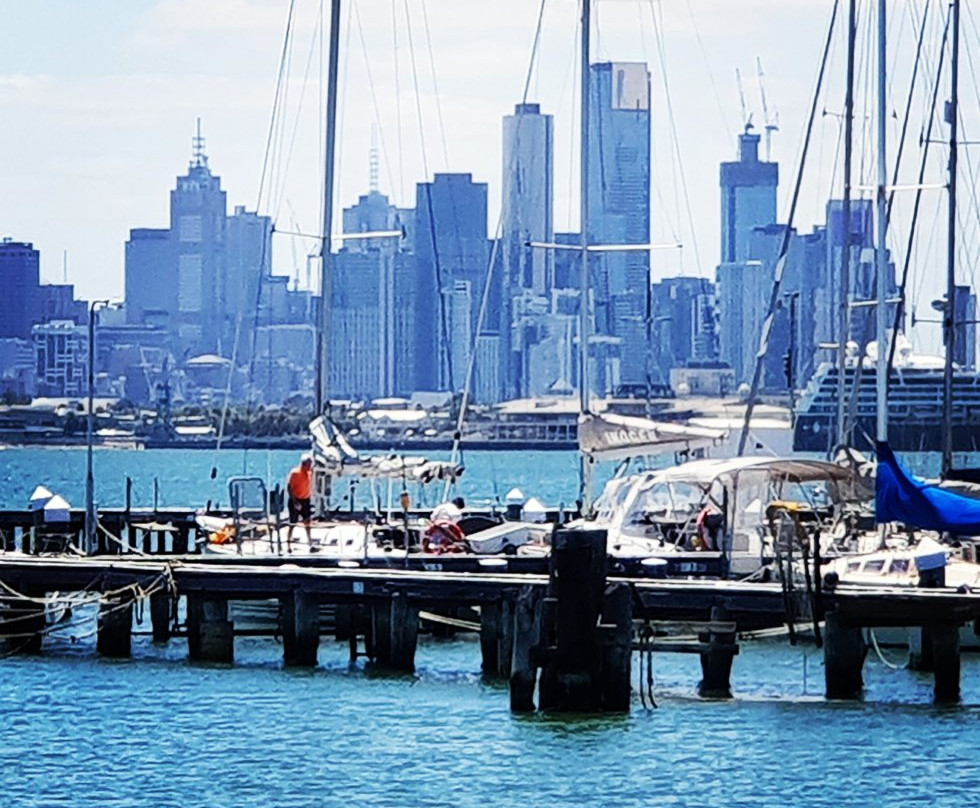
(161, 606)
(210, 634)
(716, 664)
(404, 634)
(946, 662)
(616, 634)
(844, 651)
(301, 629)
(115, 626)
(527, 636)
(490, 637)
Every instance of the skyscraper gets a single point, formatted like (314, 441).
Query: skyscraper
(748, 198)
(198, 209)
(450, 246)
(528, 215)
(619, 209)
(19, 280)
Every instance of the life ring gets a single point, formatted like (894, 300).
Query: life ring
(443, 537)
(223, 536)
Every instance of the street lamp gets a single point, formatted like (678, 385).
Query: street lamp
(90, 514)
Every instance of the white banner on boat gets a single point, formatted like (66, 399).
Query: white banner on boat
(615, 437)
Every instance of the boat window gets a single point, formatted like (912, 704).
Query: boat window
(899, 565)
(665, 502)
(853, 566)
(874, 565)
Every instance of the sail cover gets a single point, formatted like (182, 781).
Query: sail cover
(614, 437)
(901, 497)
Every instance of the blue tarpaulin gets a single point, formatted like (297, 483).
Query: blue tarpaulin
(902, 497)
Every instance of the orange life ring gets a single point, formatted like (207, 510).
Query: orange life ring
(443, 537)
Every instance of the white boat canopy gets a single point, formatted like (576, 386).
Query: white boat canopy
(616, 437)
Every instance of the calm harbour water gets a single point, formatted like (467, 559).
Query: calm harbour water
(158, 731)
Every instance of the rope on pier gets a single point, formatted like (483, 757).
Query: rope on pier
(881, 656)
(132, 548)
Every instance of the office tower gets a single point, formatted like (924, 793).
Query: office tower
(151, 283)
(748, 198)
(619, 212)
(61, 358)
(198, 229)
(450, 246)
(247, 265)
(19, 281)
(682, 324)
(528, 216)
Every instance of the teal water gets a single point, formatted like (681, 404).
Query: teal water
(184, 476)
(157, 731)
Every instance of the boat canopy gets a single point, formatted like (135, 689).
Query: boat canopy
(615, 437)
(797, 470)
(902, 497)
(335, 454)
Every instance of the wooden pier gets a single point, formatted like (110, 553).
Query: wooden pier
(565, 640)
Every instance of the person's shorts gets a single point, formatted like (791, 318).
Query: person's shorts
(299, 511)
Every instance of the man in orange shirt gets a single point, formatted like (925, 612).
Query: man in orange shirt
(300, 489)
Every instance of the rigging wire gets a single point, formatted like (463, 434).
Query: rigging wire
(784, 247)
(456, 453)
(704, 56)
(398, 102)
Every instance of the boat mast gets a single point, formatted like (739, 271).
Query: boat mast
(326, 254)
(584, 281)
(881, 256)
(844, 302)
(949, 326)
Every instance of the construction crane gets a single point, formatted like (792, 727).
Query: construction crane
(746, 115)
(772, 121)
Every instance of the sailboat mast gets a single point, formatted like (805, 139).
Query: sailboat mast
(844, 298)
(326, 254)
(585, 284)
(949, 325)
(881, 256)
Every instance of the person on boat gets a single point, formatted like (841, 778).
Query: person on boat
(299, 486)
(448, 511)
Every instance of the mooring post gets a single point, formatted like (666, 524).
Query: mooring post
(24, 623)
(490, 637)
(210, 634)
(161, 609)
(617, 648)
(844, 651)
(404, 633)
(577, 572)
(505, 646)
(380, 645)
(527, 633)
(716, 664)
(301, 629)
(115, 627)
(946, 662)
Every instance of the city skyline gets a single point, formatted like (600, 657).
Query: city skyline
(126, 90)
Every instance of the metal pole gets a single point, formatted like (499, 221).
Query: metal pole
(881, 255)
(949, 326)
(90, 514)
(585, 281)
(843, 311)
(326, 254)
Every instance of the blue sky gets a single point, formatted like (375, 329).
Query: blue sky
(98, 101)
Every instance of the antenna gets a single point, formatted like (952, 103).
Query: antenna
(746, 115)
(200, 159)
(64, 266)
(772, 121)
(373, 161)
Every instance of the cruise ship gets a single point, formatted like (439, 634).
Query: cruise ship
(915, 408)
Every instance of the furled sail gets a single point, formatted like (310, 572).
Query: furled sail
(902, 497)
(614, 437)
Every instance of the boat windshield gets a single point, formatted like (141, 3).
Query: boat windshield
(670, 502)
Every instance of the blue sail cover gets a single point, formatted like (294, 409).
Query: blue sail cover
(901, 497)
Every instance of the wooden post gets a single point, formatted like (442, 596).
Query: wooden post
(404, 633)
(161, 606)
(380, 647)
(617, 648)
(716, 664)
(527, 632)
(115, 627)
(505, 645)
(946, 662)
(920, 649)
(24, 624)
(210, 634)
(490, 637)
(301, 629)
(571, 682)
(844, 650)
